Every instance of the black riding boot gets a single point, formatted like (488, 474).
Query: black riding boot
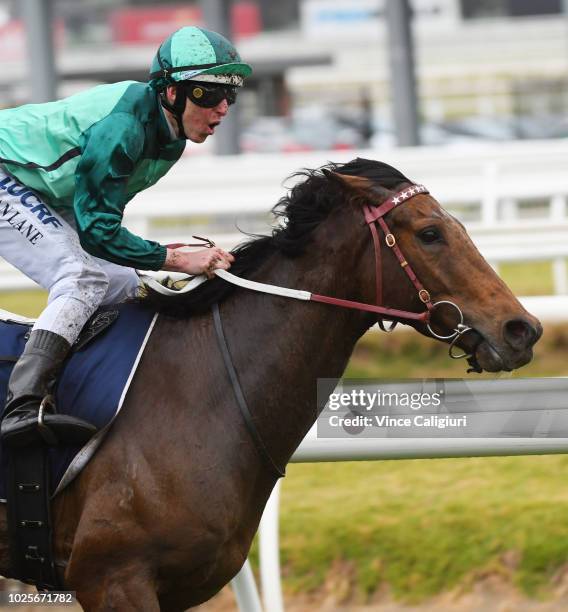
(30, 410)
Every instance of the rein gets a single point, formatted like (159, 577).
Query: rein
(373, 215)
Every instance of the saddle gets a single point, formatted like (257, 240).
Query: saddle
(91, 385)
(97, 324)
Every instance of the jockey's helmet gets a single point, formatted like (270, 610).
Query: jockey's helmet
(196, 54)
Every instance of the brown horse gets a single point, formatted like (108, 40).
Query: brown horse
(164, 515)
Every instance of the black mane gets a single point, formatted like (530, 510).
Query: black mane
(306, 205)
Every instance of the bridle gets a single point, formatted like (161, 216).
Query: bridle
(374, 217)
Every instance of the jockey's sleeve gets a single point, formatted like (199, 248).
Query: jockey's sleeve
(111, 149)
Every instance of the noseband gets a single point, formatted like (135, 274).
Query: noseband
(376, 215)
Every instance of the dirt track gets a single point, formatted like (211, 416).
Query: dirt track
(492, 594)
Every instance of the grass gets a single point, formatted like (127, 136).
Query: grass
(426, 526)
(528, 278)
(420, 526)
(26, 303)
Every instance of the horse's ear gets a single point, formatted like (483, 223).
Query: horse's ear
(359, 183)
(363, 186)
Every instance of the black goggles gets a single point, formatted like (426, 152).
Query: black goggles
(208, 95)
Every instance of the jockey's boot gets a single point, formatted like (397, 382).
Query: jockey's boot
(30, 409)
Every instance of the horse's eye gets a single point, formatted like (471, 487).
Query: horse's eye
(430, 235)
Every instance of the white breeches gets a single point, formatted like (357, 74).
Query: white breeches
(44, 245)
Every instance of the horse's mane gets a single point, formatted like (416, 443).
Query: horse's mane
(305, 206)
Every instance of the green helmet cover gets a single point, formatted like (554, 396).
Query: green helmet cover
(195, 51)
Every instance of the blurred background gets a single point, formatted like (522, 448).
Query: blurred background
(468, 97)
(491, 69)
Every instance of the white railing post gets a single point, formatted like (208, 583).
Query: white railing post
(269, 550)
(509, 209)
(558, 208)
(489, 213)
(559, 276)
(244, 588)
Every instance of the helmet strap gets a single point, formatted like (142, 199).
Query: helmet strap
(177, 108)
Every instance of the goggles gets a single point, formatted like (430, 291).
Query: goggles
(208, 95)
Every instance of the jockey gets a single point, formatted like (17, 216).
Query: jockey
(67, 170)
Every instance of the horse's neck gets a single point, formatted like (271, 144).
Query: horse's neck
(281, 347)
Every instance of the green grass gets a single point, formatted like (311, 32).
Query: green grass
(26, 303)
(528, 278)
(524, 278)
(426, 526)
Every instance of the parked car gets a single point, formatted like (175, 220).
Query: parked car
(431, 134)
(289, 135)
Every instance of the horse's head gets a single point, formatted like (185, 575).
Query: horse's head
(449, 266)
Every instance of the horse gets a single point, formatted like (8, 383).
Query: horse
(164, 514)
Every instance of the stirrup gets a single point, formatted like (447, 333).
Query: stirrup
(25, 426)
(48, 436)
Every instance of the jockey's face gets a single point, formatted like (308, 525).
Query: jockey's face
(198, 122)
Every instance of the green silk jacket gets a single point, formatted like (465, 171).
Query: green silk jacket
(91, 153)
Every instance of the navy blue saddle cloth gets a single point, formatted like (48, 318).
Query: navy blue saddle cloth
(92, 384)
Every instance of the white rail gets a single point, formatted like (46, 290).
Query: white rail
(492, 188)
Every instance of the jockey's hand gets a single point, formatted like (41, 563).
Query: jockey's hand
(197, 262)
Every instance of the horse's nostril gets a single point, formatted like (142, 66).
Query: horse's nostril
(520, 333)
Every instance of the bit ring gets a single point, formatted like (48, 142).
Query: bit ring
(456, 333)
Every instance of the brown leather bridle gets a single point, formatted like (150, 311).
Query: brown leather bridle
(376, 215)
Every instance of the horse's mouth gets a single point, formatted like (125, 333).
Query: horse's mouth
(486, 355)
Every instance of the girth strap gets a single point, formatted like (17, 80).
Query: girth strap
(239, 395)
(29, 517)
